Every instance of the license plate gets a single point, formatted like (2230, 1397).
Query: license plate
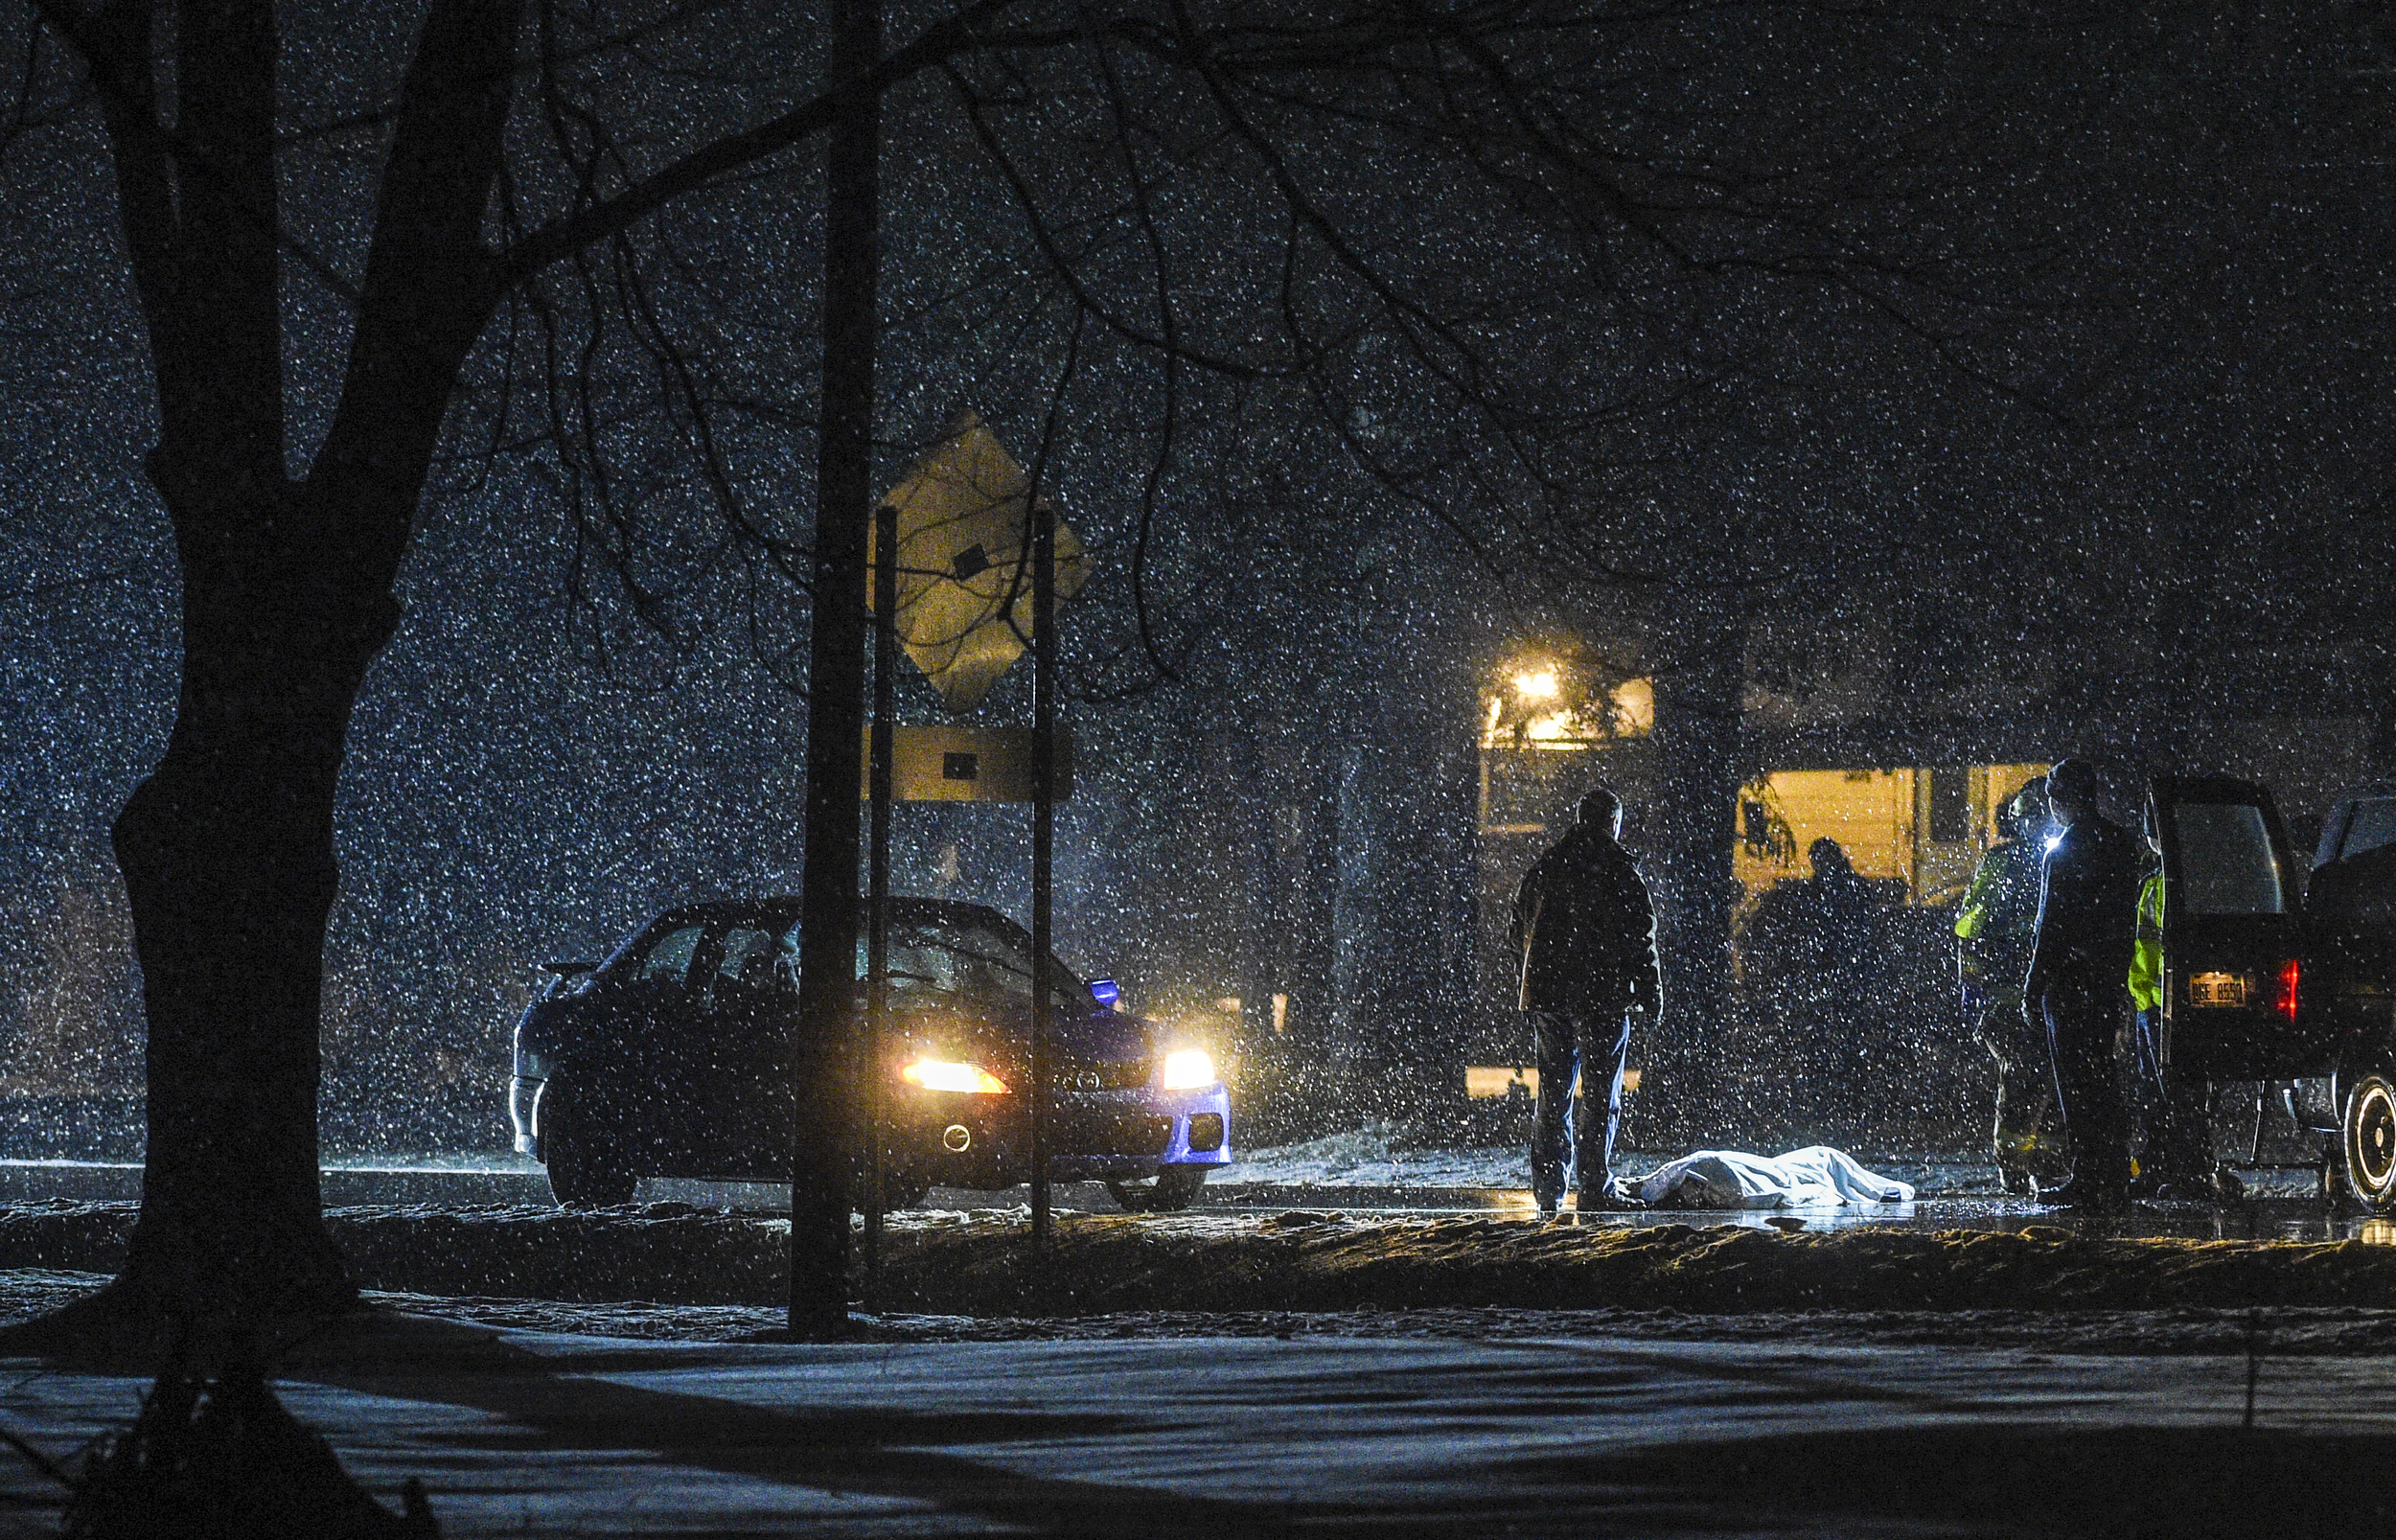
(2216, 989)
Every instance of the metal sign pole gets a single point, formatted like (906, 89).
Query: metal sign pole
(1043, 838)
(875, 1061)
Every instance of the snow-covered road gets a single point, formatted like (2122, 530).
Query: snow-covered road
(558, 1436)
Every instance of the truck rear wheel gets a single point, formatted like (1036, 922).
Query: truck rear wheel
(2369, 1134)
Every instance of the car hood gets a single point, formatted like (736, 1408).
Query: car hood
(1100, 1037)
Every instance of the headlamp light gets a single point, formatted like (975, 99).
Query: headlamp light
(1187, 1068)
(944, 1074)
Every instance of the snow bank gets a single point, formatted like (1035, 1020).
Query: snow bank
(982, 1264)
(1318, 1262)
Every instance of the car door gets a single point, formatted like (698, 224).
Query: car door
(638, 1071)
(739, 1051)
(2233, 933)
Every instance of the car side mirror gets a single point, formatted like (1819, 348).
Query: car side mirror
(568, 978)
(1106, 992)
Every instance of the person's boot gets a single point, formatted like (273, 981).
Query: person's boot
(1611, 1197)
(2087, 1196)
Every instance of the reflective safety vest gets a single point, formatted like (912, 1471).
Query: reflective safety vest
(2146, 954)
(1999, 912)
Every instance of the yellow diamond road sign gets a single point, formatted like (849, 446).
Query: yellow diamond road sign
(964, 564)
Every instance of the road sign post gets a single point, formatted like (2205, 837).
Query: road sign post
(873, 1063)
(966, 524)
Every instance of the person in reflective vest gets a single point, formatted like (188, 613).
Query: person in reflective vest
(1992, 932)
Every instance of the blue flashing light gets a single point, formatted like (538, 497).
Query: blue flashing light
(1106, 992)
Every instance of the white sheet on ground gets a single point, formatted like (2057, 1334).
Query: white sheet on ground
(1816, 1177)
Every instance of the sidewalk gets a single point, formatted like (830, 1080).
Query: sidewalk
(519, 1433)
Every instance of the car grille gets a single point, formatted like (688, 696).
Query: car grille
(1097, 1129)
(1127, 1075)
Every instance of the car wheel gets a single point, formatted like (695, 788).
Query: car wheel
(1174, 1189)
(585, 1168)
(2370, 1139)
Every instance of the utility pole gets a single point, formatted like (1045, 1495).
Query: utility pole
(1043, 836)
(873, 1063)
(823, 1060)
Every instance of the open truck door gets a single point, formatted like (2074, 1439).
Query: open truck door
(2233, 935)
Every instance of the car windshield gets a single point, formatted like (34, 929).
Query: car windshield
(965, 958)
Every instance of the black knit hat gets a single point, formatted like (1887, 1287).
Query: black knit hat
(2075, 778)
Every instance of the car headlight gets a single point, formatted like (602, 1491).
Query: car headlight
(1187, 1070)
(944, 1074)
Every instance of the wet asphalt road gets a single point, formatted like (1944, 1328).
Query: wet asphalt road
(2272, 1218)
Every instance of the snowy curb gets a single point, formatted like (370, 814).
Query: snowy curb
(983, 1265)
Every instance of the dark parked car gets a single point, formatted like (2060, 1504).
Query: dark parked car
(2270, 978)
(673, 1059)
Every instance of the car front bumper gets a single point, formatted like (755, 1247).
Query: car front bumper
(957, 1141)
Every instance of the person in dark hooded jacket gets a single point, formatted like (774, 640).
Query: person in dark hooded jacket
(1584, 935)
(1816, 950)
(2080, 958)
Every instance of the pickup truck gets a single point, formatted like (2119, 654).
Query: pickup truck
(2269, 977)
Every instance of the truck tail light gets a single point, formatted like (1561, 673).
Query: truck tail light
(2284, 999)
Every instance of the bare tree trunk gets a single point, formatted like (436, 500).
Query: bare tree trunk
(1699, 677)
(228, 860)
(227, 847)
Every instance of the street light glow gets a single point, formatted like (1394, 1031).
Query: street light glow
(1536, 686)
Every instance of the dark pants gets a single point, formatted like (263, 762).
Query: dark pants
(1596, 1046)
(2178, 1145)
(2025, 1084)
(2083, 1024)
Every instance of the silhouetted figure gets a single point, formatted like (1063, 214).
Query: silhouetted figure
(2079, 967)
(1816, 949)
(1585, 932)
(1993, 929)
